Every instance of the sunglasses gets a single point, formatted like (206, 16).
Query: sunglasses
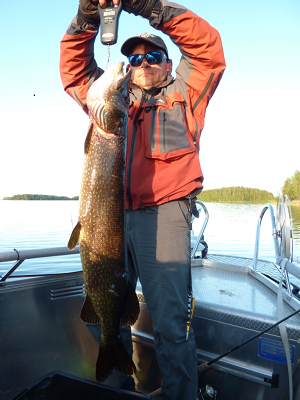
(153, 57)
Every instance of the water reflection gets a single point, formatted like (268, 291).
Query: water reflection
(296, 221)
(231, 230)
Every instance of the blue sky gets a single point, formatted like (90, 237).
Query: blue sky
(252, 132)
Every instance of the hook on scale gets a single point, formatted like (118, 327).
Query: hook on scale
(109, 23)
(108, 56)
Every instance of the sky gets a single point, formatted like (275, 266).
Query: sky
(252, 131)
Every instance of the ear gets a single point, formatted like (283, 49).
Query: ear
(169, 67)
(127, 68)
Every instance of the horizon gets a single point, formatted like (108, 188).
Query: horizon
(77, 195)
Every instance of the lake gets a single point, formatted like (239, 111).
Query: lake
(231, 230)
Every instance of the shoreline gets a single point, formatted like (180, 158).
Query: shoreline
(293, 202)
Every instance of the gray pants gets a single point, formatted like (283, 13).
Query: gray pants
(158, 254)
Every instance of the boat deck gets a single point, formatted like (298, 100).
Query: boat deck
(229, 290)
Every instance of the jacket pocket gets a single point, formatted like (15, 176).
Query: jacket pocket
(167, 134)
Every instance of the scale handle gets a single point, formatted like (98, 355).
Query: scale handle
(109, 22)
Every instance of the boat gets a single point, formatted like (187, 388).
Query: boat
(243, 353)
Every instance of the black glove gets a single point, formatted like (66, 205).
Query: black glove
(139, 7)
(88, 13)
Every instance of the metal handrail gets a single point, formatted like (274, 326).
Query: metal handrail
(257, 237)
(21, 255)
(276, 233)
(285, 200)
(202, 228)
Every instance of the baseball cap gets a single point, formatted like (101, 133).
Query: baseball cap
(143, 37)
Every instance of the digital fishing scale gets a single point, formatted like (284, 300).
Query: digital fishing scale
(109, 24)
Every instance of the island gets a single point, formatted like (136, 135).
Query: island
(236, 194)
(39, 197)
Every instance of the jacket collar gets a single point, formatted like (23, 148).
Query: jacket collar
(137, 90)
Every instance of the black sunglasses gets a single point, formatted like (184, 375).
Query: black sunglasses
(153, 57)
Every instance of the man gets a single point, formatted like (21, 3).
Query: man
(163, 173)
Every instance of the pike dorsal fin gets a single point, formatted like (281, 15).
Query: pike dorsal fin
(88, 138)
(74, 238)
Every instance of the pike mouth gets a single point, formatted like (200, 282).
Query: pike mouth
(108, 100)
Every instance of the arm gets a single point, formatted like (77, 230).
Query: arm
(78, 68)
(202, 63)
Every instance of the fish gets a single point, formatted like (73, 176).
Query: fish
(100, 231)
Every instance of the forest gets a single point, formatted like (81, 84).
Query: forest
(236, 194)
(291, 187)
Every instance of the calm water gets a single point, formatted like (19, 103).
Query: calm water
(40, 224)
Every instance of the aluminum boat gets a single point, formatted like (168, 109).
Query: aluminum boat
(237, 302)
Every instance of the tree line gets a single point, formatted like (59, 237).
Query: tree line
(39, 197)
(291, 186)
(236, 194)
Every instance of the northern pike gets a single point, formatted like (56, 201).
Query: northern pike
(111, 299)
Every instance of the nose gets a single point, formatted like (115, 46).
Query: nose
(145, 63)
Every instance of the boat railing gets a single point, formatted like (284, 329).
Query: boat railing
(200, 236)
(282, 233)
(257, 237)
(21, 255)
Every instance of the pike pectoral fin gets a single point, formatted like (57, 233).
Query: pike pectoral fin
(88, 313)
(88, 138)
(131, 307)
(116, 357)
(74, 238)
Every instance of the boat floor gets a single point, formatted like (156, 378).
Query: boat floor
(233, 303)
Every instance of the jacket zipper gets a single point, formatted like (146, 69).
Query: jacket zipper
(153, 129)
(164, 132)
(132, 151)
(204, 91)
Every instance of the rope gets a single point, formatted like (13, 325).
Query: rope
(282, 327)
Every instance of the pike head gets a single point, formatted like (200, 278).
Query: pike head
(108, 100)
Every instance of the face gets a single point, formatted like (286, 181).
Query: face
(146, 75)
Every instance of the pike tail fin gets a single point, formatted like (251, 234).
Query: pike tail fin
(113, 358)
(131, 307)
(74, 238)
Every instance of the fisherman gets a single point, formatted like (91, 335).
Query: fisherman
(163, 172)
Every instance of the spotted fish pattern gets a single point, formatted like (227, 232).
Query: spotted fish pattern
(111, 299)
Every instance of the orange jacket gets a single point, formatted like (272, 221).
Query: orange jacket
(164, 126)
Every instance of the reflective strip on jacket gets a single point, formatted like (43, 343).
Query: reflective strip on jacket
(162, 162)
